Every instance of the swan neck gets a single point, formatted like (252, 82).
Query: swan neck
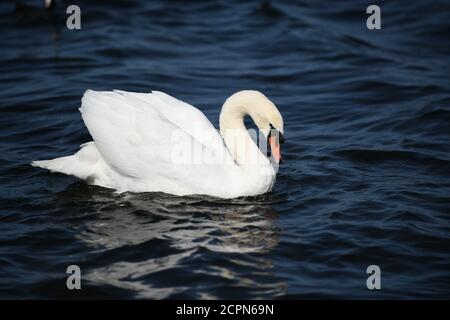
(236, 136)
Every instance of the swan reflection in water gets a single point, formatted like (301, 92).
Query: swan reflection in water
(180, 243)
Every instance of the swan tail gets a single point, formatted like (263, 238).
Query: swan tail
(62, 164)
(82, 164)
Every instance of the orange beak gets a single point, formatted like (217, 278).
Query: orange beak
(275, 148)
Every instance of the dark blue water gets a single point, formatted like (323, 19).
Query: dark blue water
(366, 177)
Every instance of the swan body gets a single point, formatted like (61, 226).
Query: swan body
(142, 143)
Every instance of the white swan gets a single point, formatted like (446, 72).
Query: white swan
(143, 143)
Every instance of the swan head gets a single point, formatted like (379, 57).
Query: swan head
(264, 113)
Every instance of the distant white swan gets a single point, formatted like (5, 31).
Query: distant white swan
(142, 143)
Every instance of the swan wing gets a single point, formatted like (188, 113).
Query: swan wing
(134, 132)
